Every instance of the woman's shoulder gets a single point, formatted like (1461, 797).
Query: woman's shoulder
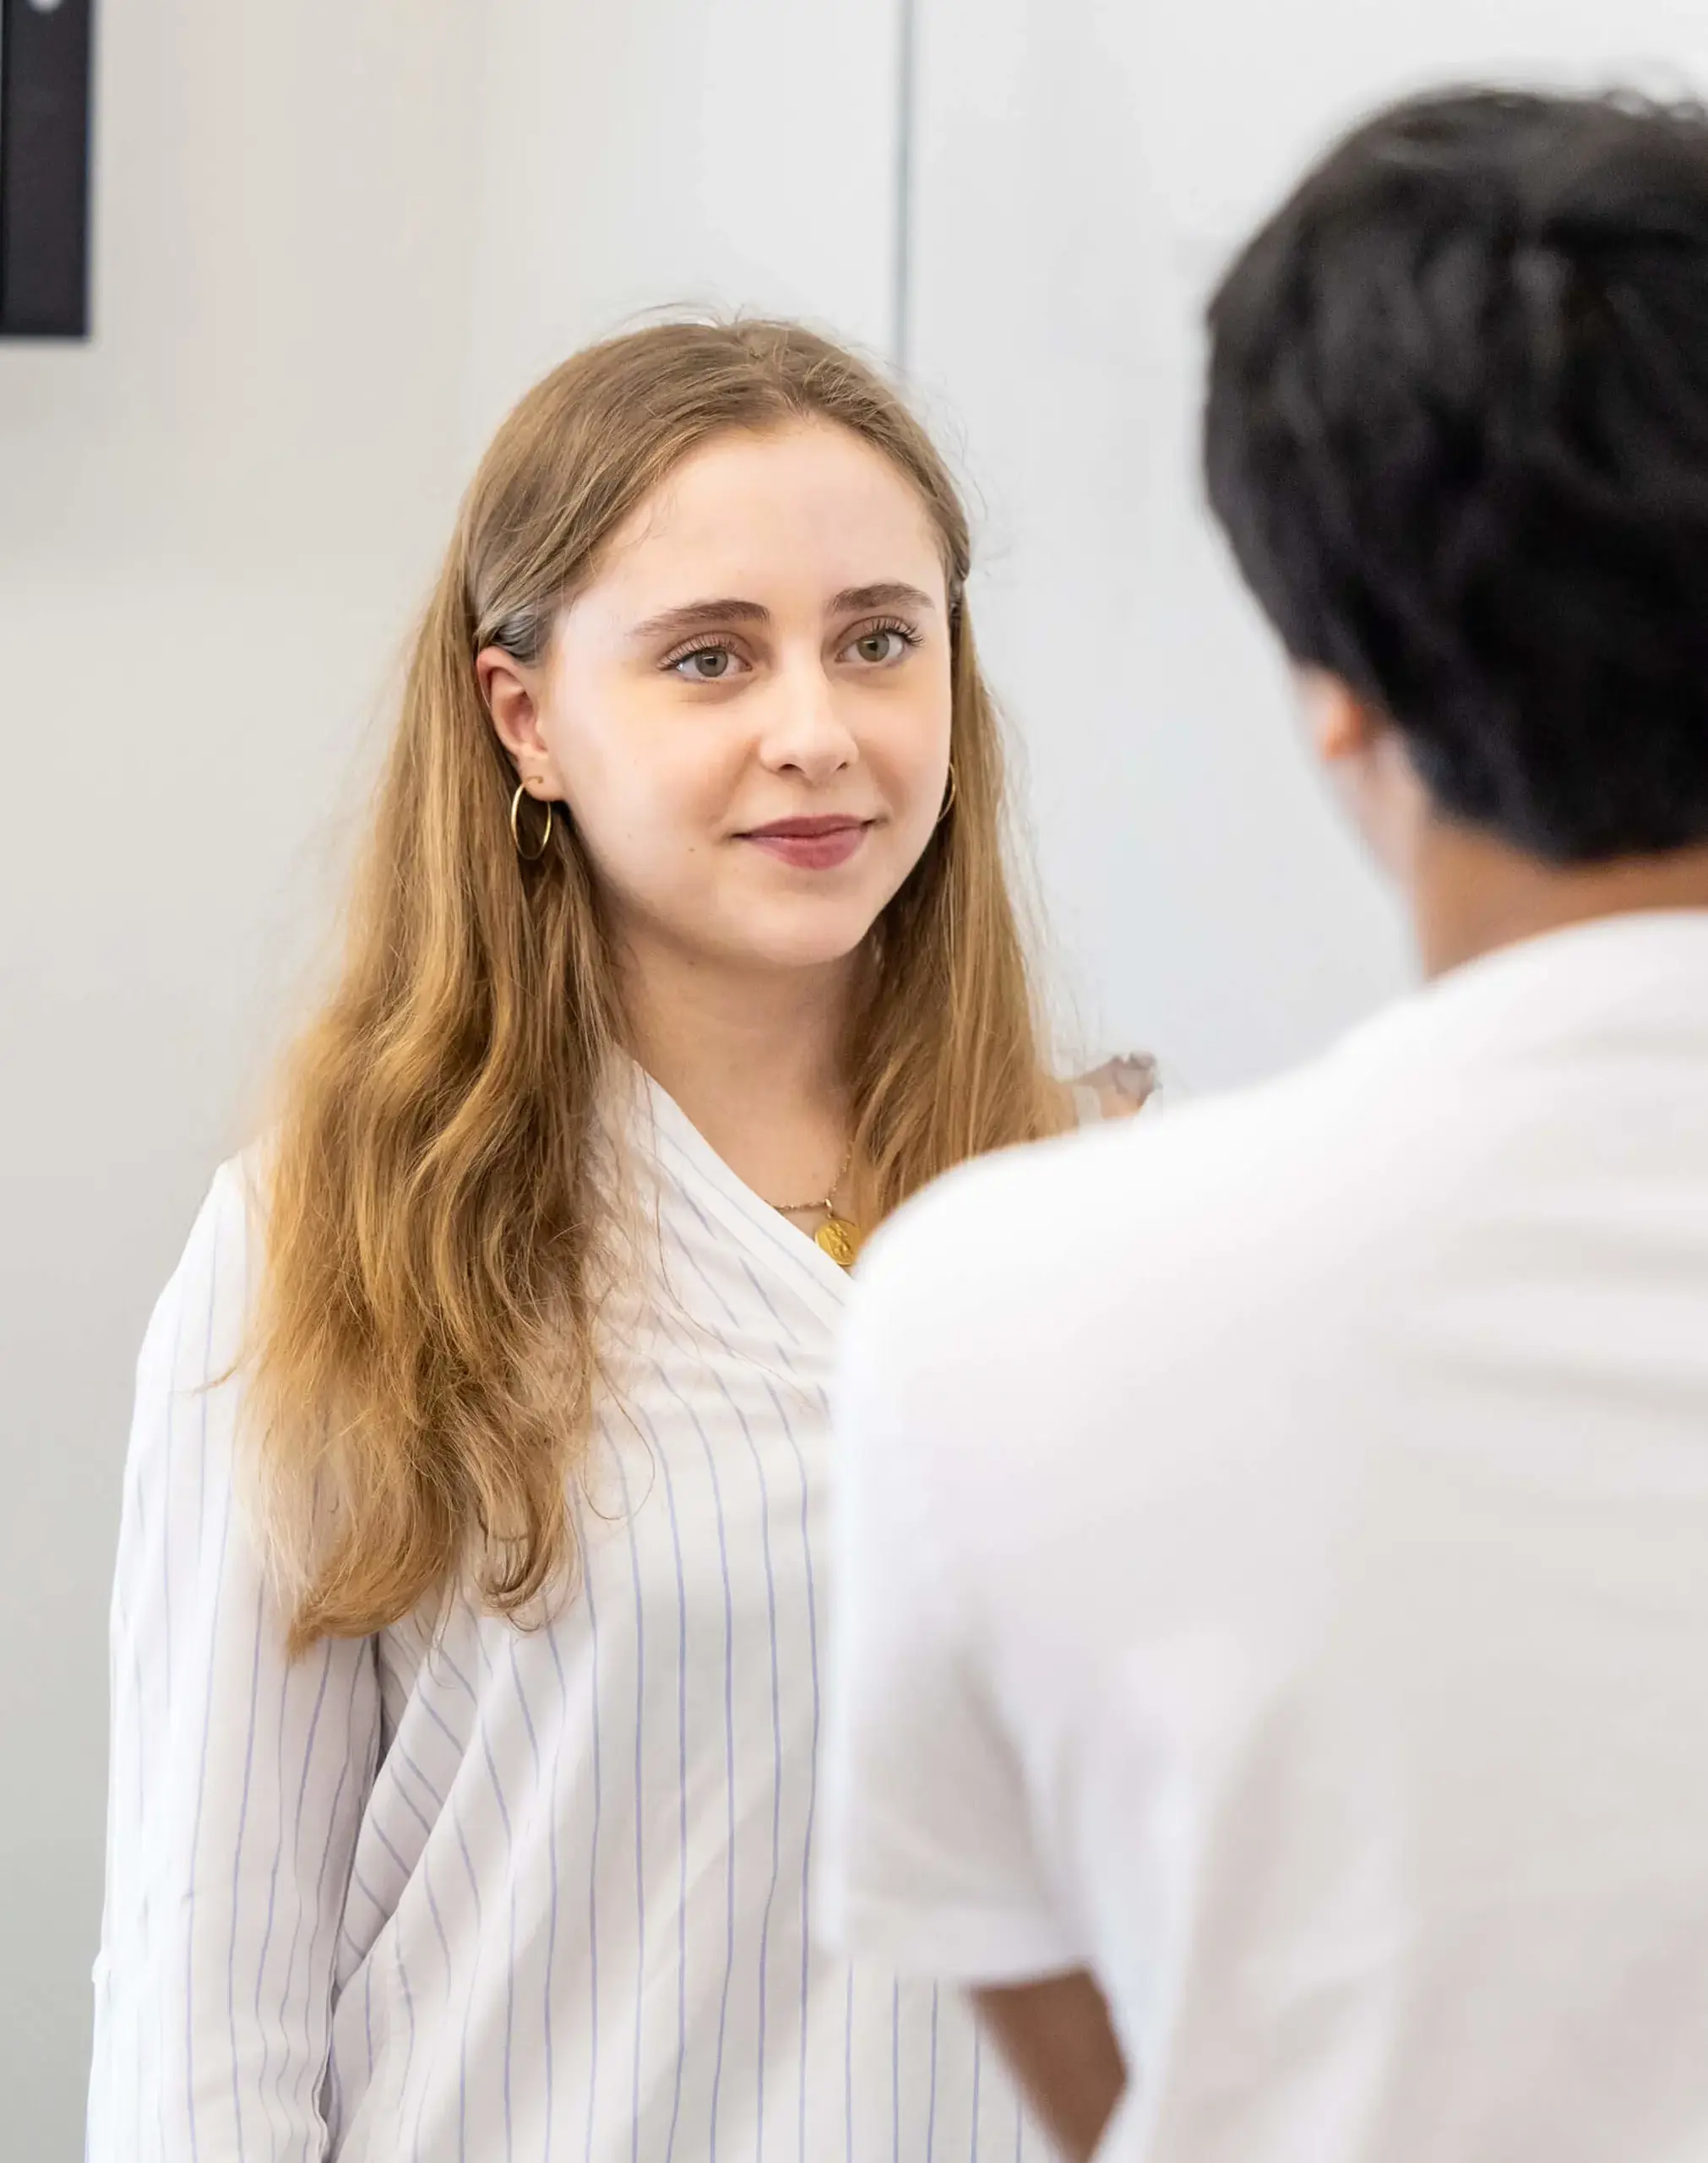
(230, 1218)
(1117, 1089)
(213, 1265)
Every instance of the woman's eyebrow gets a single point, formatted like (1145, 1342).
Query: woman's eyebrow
(708, 615)
(701, 615)
(888, 593)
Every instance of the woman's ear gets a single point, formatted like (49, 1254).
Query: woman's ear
(512, 691)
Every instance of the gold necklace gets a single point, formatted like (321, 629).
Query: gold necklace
(838, 1236)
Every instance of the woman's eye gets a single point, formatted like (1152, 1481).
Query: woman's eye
(879, 647)
(706, 664)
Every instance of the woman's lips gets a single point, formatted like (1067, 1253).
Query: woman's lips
(811, 844)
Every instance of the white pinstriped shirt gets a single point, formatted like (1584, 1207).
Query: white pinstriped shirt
(534, 1895)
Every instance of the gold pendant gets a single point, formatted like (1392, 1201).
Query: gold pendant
(840, 1239)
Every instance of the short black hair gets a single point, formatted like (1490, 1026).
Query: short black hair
(1457, 433)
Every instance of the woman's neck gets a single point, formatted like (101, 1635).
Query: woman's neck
(753, 1057)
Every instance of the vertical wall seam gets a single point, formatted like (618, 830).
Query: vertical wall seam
(907, 117)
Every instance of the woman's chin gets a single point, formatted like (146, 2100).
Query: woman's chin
(810, 954)
(811, 937)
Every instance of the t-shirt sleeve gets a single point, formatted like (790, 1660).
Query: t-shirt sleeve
(929, 1863)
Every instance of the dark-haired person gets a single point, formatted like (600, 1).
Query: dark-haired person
(1274, 1549)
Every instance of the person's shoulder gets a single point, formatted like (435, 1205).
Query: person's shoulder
(1141, 1214)
(195, 1335)
(1040, 1192)
(232, 1210)
(217, 1260)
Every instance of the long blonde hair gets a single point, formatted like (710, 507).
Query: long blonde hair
(422, 1365)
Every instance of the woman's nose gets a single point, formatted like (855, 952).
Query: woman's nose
(806, 729)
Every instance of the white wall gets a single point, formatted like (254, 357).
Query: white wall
(1085, 167)
(729, 153)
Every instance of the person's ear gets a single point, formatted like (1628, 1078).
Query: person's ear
(1340, 724)
(1369, 769)
(513, 690)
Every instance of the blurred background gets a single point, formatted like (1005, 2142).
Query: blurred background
(332, 242)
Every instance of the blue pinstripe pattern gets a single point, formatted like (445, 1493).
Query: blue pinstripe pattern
(591, 1604)
(474, 1889)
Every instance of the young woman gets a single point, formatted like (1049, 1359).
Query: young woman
(468, 1629)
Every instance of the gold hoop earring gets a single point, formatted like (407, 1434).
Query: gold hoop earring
(516, 829)
(948, 795)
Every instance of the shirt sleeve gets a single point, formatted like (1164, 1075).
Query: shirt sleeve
(929, 1863)
(238, 1777)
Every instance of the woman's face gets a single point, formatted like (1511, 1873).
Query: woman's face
(745, 713)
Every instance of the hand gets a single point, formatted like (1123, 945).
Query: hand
(1124, 1085)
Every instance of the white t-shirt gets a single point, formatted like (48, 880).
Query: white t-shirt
(1273, 1559)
